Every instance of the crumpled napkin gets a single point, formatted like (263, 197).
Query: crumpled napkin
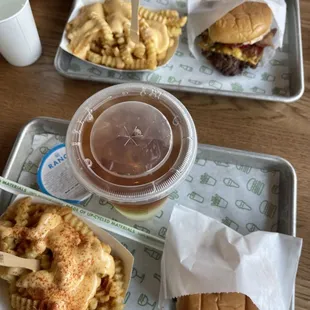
(202, 255)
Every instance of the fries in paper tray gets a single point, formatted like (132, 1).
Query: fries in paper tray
(99, 32)
(81, 266)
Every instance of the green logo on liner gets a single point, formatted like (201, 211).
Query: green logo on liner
(162, 232)
(104, 202)
(189, 179)
(255, 186)
(30, 167)
(200, 161)
(135, 275)
(160, 214)
(251, 227)
(194, 82)
(230, 182)
(44, 150)
(215, 84)
(179, 53)
(207, 179)
(163, 2)
(173, 80)
(116, 75)
(144, 301)
(230, 223)
(258, 90)
(275, 62)
(141, 228)
(248, 74)
(273, 172)
(206, 70)
(218, 201)
(237, 87)
(221, 163)
(133, 76)
(267, 208)
(152, 253)
(60, 138)
(285, 76)
(280, 91)
(196, 197)
(154, 78)
(243, 168)
(186, 68)
(174, 195)
(241, 204)
(156, 276)
(268, 77)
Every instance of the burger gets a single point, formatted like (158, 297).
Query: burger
(237, 40)
(216, 301)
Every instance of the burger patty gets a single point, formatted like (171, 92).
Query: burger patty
(228, 65)
(231, 59)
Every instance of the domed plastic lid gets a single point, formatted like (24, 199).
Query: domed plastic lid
(131, 144)
(131, 139)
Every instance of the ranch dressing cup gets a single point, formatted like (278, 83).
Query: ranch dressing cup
(132, 144)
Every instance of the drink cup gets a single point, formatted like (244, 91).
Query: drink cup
(19, 39)
(132, 144)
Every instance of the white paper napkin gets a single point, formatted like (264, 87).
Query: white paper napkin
(202, 255)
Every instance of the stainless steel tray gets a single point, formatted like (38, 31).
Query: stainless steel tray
(287, 186)
(67, 65)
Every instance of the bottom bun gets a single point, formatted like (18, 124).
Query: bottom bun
(217, 301)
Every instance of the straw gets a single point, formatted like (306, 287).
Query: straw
(101, 221)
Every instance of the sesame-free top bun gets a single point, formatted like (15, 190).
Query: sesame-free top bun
(244, 24)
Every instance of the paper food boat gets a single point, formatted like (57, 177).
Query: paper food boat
(64, 43)
(118, 250)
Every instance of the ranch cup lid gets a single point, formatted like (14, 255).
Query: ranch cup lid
(55, 177)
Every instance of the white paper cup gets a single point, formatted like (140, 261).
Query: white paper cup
(19, 39)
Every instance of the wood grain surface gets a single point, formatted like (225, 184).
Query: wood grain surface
(273, 128)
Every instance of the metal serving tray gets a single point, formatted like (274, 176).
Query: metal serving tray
(68, 66)
(287, 185)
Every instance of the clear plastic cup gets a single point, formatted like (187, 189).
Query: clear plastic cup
(132, 144)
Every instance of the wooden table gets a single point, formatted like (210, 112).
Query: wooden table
(273, 128)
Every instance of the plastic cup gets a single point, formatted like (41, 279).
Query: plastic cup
(132, 144)
(19, 39)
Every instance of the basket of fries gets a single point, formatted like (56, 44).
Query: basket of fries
(99, 33)
(81, 266)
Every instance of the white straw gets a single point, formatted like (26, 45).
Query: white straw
(101, 221)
